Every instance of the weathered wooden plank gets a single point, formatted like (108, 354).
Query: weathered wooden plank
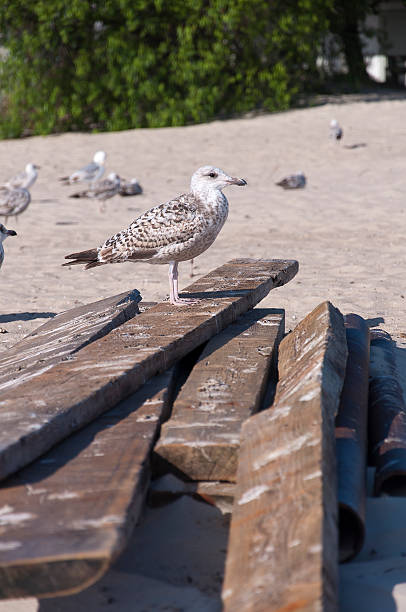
(51, 406)
(202, 438)
(64, 518)
(65, 333)
(283, 537)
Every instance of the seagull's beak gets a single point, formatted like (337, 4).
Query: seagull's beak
(11, 233)
(37, 167)
(236, 181)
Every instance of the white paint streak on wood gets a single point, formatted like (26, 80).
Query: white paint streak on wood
(9, 545)
(252, 494)
(105, 520)
(282, 451)
(63, 495)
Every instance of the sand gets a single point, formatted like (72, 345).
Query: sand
(346, 228)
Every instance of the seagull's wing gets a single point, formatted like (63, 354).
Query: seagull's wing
(102, 190)
(88, 173)
(13, 201)
(17, 180)
(169, 223)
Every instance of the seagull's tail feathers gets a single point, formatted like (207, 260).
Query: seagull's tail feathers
(283, 183)
(89, 258)
(64, 180)
(79, 194)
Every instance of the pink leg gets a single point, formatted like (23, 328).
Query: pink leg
(173, 287)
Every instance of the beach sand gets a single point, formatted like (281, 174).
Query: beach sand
(346, 229)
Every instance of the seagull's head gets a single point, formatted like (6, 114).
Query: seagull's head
(4, 232)
(31, 168)
(334, 123)
(99, 157)
(209, 178)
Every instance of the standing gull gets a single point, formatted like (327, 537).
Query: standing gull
(293, 181)
(178, 230)
(4, 233)
(13, 201)
(101, 190)
(336, 132)
(88, 174)
(24, 179)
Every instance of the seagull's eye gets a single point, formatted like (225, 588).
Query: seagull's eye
(213, 175)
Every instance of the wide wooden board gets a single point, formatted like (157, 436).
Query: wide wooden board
(39, 413)
(201, 440)
(65, 333)
(283, 546)
(65, 518)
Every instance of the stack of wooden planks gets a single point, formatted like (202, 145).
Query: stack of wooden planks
(86, 419)
(215, 394)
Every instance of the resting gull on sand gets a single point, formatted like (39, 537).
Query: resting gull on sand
(13, 201)
(336, 132)
(178, 230)
(88, 174)
(4, 233)
(293, 181)
(101, 190)
(24, 179)
(130, 188)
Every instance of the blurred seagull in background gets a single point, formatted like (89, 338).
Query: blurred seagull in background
(336, 132)
(175, 231)
(101, 190)
(4, 233)
(24, 179)
(88, 174)
(130, 188)
(13, 201)
(293, 181)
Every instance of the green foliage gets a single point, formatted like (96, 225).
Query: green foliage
(117, 64)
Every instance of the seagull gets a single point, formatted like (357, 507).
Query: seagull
(24, 179)
(336, 132)
(129, 188)
(293, 181)
(13, 201)
(178, 230)
(4, 233)
(88, 174)
(101, 190)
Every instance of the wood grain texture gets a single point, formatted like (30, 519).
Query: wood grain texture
(65, 518)
(51, 406)
(283, 537)
(201, 440)
(65, 333)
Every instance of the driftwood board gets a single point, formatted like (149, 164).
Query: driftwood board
(64, 518)
(49, 407)
(283, 546)
(202, 438)
(65, 333)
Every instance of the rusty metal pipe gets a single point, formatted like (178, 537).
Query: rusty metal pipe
(387, 418)
(351, 440)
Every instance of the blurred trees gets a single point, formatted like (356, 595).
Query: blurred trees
(346, 20)
(116, 64)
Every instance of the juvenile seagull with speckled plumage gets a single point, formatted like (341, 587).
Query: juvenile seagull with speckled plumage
(178, 230)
